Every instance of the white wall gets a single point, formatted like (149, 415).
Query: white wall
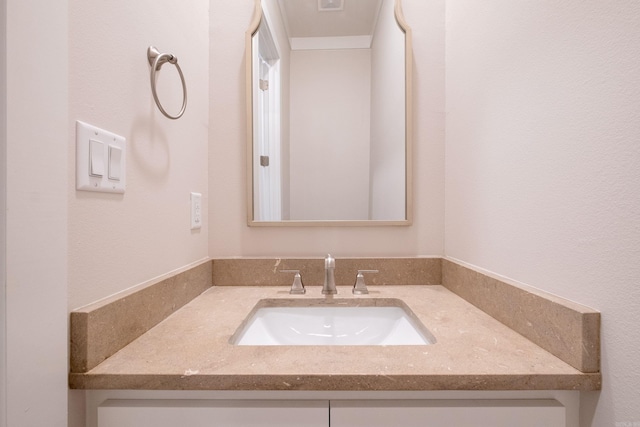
(3, 212)
(118, 241)
(543, 163)
(330, 97)
(36, 217)
(387, 201)
(229, 234)
(64, 248)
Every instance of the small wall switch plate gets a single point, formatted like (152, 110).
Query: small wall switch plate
(100, 159)
(196, 211)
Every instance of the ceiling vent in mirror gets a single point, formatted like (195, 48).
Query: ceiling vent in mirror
(330, 5)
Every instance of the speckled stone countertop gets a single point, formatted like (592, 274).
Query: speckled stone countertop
(190, 350)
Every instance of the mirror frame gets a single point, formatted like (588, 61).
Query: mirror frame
(253, 28)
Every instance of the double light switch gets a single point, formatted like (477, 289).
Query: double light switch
(100, 159)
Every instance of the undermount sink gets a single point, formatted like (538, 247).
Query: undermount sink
(332, 322)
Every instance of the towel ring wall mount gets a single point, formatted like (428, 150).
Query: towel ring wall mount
(156, 61)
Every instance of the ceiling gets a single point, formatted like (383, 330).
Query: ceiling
(302, 18)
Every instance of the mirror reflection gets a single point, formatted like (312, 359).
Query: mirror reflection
(327, 104)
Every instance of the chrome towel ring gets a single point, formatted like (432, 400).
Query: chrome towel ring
(156, 60)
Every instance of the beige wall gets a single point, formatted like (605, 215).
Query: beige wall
(229, 234)
(3, 212)
(118, 241)
(36, 216)
(543, 163)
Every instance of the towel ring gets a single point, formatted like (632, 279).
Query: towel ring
(156, 60)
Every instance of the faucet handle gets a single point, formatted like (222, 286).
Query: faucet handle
(360, 288)
(297, 288)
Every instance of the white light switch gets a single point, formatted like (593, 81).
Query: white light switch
(115, 157)
(100, 159)
(96, 158)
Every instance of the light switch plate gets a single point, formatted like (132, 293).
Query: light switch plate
(196, 211)
(86, 177)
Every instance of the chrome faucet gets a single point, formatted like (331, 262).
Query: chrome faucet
(329, 287)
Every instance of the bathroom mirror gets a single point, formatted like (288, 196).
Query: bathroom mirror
(328, 113)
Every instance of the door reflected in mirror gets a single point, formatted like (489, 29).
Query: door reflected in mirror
(328, 105)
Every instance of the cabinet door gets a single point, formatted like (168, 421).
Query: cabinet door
(448, 413)
(212, 413)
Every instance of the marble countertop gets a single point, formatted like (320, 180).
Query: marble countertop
(190, 350)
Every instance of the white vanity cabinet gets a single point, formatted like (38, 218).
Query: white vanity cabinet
(213, 413)
(448, 413)
(334, 413)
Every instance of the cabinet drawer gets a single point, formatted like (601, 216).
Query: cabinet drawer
(448, 413)
(213, 413)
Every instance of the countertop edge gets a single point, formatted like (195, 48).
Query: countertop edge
(364, 382)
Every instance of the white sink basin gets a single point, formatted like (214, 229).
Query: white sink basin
(337, 323)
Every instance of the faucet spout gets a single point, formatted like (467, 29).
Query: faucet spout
(329, 287)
